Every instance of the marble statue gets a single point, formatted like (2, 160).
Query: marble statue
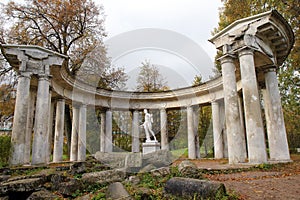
(148, 126)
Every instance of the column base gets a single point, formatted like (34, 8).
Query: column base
(150, 146)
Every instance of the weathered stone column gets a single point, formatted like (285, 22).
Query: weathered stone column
(135, 132)
(191, 134)
(59, 131)
(278, 145)
(242, 118)
(217, 130)
(195, 125)
(40, 140)
(82, 133)
(254, 125)
(50, 129)
(235, 138)
(102, 132)
(163, 129)
(74, 136)
(20, 119)
(223, 129)
(108, 131)
(29, 128)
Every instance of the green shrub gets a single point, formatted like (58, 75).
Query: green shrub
(4, 150)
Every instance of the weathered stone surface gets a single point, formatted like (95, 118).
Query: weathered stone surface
(191, 188)
(113, 160)
(189, 170)
(186, 163)
(77, 168)
(134, 180)
(70, 187)
(160, 158)
(56, 179)
(120, 159)
(117, 191)
(22, 185)
(163, 171)
(42, 195)
(147, 168)
(4, 177)
(108, 176)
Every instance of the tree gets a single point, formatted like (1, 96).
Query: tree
(197, 80)
(289, 73)
(72, 28)
(149, 79)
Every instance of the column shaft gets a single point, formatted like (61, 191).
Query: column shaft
(82, 133)
(29, 128)
(254, 125)
(40, 140)
(163, 129)
(223, 129)
(59, 131)
(277, 138)
(50, 129)
(217, 130)
(195, 125)
(235, 138)
(135, 132)
(20, 120)
(108, 131)
(102, 132)
(191, 134)
(74, 136)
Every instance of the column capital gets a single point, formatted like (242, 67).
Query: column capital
(60, 99)
(270, 69)
(214, 102)
(162, 109)
(246, 50)
(25, 74)
(227, 58)
(44, 77)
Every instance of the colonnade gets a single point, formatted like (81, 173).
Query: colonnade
(253, 49)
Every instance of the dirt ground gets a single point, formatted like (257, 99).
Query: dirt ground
(280, 181)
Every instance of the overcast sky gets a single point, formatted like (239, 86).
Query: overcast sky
(176, 21)
(172, 34)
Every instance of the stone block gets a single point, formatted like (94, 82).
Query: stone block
(194, 188)
(117, 191)
(150, 146)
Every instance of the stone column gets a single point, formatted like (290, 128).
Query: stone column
(40, 140)
(217, 130)
(59, 131)
(191, 134)
(102, 132)
(278, 145)
(50, 129)
(135, 132)
(108, 131)
(74, 136)
(163, 129)
(235, 138)
(20, 119)
(195, 125)
(223, 129)
(29, 128)
(242, 118)
(82, 134)
(254, 125)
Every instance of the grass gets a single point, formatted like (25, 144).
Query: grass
(180, 153)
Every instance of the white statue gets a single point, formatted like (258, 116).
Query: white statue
(148, 126)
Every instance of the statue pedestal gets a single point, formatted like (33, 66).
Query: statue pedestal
(150, 146)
